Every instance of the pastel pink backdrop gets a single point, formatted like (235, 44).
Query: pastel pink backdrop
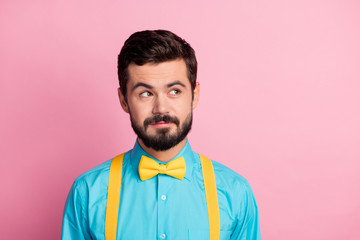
(279, 104)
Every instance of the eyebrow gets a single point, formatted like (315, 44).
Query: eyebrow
(141, 84)
(176, 83)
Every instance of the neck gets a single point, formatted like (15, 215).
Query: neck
(163, 156)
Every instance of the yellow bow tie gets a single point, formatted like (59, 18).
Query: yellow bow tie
(149, 168)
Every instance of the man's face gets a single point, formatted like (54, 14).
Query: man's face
(159, 101)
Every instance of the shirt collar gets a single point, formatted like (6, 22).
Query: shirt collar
(137, 152)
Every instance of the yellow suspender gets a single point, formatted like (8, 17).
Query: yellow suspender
(211, 197)
(113, 198)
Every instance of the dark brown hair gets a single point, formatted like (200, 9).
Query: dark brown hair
(155, 46)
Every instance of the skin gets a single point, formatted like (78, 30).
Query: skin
(161, 88)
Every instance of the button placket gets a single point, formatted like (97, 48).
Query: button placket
(162, 186)
(165, 183)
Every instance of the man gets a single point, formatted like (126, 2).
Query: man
(160, 189)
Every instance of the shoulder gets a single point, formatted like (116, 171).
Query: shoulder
(96, 177)
(236, 189)
(228, 178)
(93, 177)
(95, 172)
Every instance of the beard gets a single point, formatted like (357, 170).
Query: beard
(163, 139)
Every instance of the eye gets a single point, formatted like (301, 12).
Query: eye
(145, 94)
(174, 92)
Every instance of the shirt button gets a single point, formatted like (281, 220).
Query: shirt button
(163, 197)
(163, 236)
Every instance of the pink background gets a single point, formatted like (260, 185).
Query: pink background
(280, 96)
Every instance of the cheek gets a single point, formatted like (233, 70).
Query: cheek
(139, 113)
(183, 110)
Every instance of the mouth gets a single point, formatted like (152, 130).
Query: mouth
(161, 124)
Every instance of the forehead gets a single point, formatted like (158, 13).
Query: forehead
(157, 74)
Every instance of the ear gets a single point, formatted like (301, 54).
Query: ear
(196, 95)
(123, 101)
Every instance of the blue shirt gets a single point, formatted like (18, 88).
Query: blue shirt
(162, 207)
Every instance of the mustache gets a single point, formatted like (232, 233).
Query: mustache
(161, 118)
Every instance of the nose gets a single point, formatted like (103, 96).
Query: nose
(161, 105)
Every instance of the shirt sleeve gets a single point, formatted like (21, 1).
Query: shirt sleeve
(247, 226)
(75, 220)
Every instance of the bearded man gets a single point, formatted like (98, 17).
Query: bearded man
(160, 189)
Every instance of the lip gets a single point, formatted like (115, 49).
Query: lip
(161, 124)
